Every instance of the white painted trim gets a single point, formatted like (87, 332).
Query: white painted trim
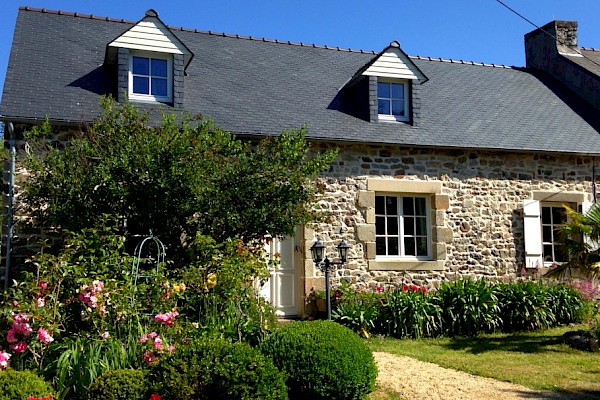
(148, 97)
(394, 118)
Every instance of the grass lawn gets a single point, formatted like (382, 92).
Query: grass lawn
(538, 360)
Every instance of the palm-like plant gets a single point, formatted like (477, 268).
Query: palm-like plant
(580, 236)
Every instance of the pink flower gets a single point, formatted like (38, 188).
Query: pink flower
(21, 318)
(4, 357)
(18, 347)
(15, 303)
(42, 285)
(171, 348)
(105, 335)
(44, 336)
(157, 343)
(150, 358)
(40, 302)
(166, 318)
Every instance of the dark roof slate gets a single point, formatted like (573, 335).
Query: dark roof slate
(258, 86)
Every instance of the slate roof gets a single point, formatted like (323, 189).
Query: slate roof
(257, 86)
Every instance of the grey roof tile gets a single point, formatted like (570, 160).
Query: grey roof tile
(257, 86)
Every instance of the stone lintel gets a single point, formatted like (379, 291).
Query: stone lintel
(558, 197)
(408, 265)
(404, 186)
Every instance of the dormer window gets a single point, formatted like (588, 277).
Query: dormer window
(150, 77)
(392, 104)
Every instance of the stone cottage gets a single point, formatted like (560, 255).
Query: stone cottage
(446, 168)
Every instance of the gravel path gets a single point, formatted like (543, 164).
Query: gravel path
(418, 380)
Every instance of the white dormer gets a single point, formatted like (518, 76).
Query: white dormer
(393, 63)
(154, 60)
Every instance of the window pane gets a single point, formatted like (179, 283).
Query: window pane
(556, 235)
(422, 246)
(159, 67)
(391, 205)
(397, 91)
(408, 205)
(409, 225)
(141, 66)
(380, 225)
(392, 225)
(546, 215)
(422, 226)
(547, 252)
(398, 108)
(560, 254)
(558, 215)
(159, 87)
(380, 246)
(409, 246)
(141, 85)
(379, 204)
(383, 90)
(420, 206)
(547, 233)
(393, 247)
(383, 107)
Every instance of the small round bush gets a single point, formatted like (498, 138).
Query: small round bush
(17, 385)
(322, 360)
(119, 384)
(218, 369)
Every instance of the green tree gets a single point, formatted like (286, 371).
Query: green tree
(182, 177)
(580, 236)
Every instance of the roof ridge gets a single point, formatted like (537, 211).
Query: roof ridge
(290, 43)
(589, 48)
(451, 61)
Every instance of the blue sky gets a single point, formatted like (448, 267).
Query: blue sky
(471, 30)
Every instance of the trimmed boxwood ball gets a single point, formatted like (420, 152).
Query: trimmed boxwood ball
(218, 369)
(22, 384)
(322, 360)
(119, 384)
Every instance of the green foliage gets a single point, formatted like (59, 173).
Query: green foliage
(221, 293)
(19, 385)
(469, 307)
(409, 314)
(120, 384)
(566, 303)
(76, 362)
(524, 306)
(183, 177)
(359, 311)
(218, 369)
(322, 360)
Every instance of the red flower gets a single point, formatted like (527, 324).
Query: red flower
(155, 397)
(405, 288)
(424, 289)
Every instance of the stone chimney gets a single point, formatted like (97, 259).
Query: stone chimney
(541, 47)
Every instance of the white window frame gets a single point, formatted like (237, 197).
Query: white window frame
(552, 226)
(401, 235)
(148, 97)
(391, 117)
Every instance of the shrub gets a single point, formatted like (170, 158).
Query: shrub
(120, 384)
(468, 307)
(567, 303)
(524, 305)
(409, 314)
(322, 360)
(358, 311)
(22, 384)
(217, 369)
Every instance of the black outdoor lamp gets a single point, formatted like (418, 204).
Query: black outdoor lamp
(325, 265)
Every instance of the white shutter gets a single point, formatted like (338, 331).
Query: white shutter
(532, 234)
(585, 208)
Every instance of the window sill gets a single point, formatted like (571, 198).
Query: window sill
(149, 99)
(405, 265)
(390, 118)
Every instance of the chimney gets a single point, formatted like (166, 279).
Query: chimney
(542, 46)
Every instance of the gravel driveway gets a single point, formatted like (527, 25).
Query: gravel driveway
(418, 380)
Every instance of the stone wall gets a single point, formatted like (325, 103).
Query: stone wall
(484, 214)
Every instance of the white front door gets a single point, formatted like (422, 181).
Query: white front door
(281, 288)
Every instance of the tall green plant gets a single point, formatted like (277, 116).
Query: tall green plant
(468, 307)
(409, 314)
(525, 305)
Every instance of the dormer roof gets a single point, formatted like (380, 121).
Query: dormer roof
(392, 62)
(149, 34)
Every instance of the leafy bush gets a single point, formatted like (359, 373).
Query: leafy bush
(19, 385)
(409, 313)
(468, 307)
(566, 303)
(358, 311)
(524, 305)
(218, 369)
(322, 360)
(120, 384)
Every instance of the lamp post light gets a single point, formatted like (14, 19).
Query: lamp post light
(325, 264)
